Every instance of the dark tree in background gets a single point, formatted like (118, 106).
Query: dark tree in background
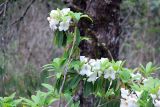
(104, 31)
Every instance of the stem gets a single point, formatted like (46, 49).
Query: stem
(74, 40)
(99, 102)
(110, 85)
(68, 102)
(66, 66)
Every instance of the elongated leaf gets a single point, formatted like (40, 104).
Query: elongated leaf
(58, 38)
(78, 37)
(48, 86)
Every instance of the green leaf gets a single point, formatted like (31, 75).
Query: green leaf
(110, 92)
(77, 16)
(48, 86)
(58, 38)
(85, 38)
(86, 16)
(69, 38)
(58, 75)
(136, 87)
(125, 75)
(78, 37)
(146, 71)
(145, 100)
(88, 88)
(76, 64)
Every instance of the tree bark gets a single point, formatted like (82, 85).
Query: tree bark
(104, 30)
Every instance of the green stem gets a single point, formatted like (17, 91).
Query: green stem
(66, 66)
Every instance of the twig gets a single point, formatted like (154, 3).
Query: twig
(61, 88)
(5, 7)
(99, 102)
(25, 12)
(126, 18)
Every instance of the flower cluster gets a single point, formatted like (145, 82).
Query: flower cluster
(129, 99)
(156, 99)
(95, 68)
(59, 19)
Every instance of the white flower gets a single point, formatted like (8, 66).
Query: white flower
(99, 73)
(96, 65)
(124, 103)
(64, 25)
(93, 77)
(138, 93)
(128, 100)
(83, 59)
(145, 80)
(157, 103)
(54, 14)
(153, 96)
(92, 62)
(124, 93)
(132, 101)
(136, 76)
(109, 73)
(53, 24)
(86, 70)
(104, 60)
(65, 11)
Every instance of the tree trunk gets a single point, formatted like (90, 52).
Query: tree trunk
(104, 30)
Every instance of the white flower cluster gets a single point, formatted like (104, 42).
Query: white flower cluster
(129, 99)
(59, 19)
(137, 77)
(156, 99)
(92, 69)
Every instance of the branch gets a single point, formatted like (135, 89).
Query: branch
(25, 12)
(3, 10)
(5, 7)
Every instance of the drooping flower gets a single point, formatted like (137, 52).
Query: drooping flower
(109, 73)
(86, 70)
